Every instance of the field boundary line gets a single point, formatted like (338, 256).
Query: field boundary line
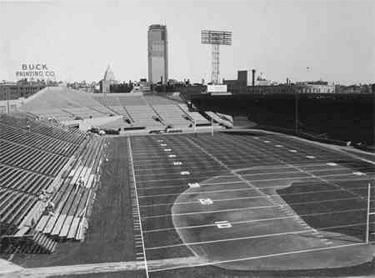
(138, 209)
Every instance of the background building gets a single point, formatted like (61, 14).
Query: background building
(107, 81)
(157, 54)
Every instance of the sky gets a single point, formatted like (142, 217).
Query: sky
(331, 40)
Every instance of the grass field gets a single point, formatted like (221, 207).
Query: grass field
(236, 204)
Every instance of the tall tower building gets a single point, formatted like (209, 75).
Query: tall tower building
(157, 54)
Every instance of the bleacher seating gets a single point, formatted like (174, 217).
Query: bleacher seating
(65, 104)
(138, 111)
(73, 200)
(173, 115)
(222, 119)
(144, 115)
(195, 117)
(35, 159)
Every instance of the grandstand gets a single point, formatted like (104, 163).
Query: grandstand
(52, 159)
(118, 111)
(64, 104)
(183, 205)
(40, 201)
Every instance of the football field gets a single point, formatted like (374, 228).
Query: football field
(235, 204)
(246, 201)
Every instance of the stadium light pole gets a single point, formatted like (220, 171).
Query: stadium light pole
(215, 39)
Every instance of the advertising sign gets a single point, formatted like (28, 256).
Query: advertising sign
(217, 88)
(35, 71)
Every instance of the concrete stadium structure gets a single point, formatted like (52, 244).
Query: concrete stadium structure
(232, 203)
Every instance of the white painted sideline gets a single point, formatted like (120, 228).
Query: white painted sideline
(138, 209)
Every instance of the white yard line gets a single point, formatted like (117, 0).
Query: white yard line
(195, 192)
(230, 239)
(263, 256)
(266, 219)
(208, 211)
(184, 185)
(246, 198)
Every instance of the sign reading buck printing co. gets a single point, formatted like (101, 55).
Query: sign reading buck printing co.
(35, 71)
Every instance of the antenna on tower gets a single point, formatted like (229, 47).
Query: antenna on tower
(215, 39)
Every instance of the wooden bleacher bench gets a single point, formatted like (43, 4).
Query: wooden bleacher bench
(44, 156)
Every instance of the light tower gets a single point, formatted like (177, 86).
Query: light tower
(215, 39)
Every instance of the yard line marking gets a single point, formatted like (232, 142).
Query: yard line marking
(184, 173)
(171, 172)
(312, 230)
(195, 192)
(180, 179)
(358, 173)
(264, 220)
(193, 185)
(220, 183)
(146, 168)
(138, 209)
(260, 257)
(249, 197)
(206, 201)
(335, 170)
(292, 171)
(161, 187)
(207, 212)
(229, 239)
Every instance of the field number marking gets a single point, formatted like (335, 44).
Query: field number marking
(223, 224)
(194, 185)
(206, 201)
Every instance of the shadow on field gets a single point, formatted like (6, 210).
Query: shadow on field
(244, 133)
(329, 209)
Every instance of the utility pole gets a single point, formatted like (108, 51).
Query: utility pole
(296, 112)
(368, 213)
